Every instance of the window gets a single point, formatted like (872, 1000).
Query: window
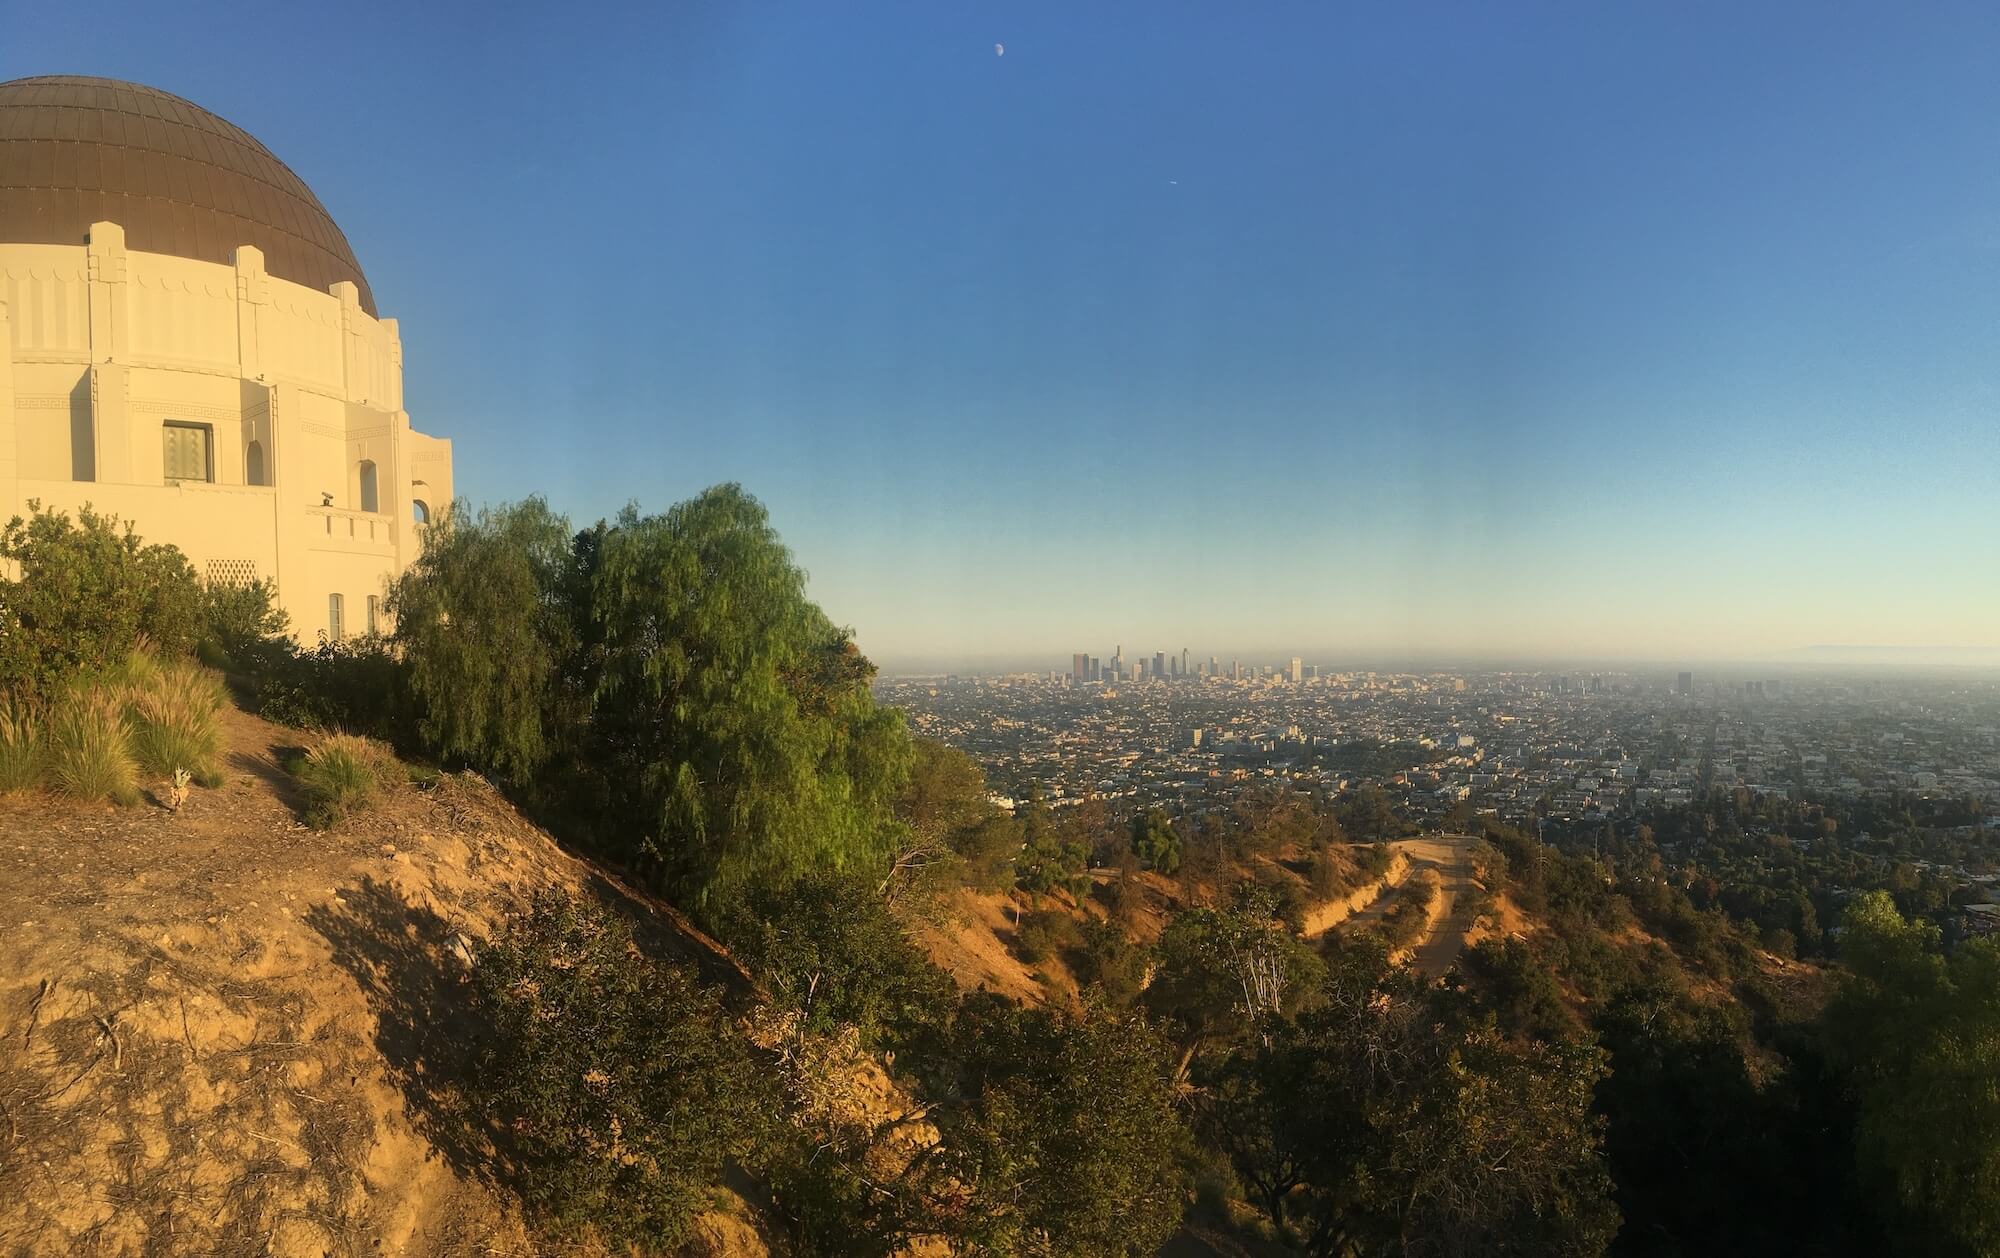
(253, 464)
(369, 500)
(187, 448)
(333, 617)
(420, 510)
(374, 611)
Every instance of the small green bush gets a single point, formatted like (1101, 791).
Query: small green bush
(176, 720)
(89, 748)
(241, 630)
(1042, 934)
(342, 776)
(1107, 957)
(87, 589)
(20, 747)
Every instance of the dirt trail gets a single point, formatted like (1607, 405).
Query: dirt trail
(1451, 856)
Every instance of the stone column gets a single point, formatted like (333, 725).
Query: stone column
(10, 450)
(110, 418)
(253, 292)
(289, 498)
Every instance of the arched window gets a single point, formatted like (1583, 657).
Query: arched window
(369, 500)
(420, 510)
(253, 464)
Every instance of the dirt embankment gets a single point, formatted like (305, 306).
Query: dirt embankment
(1323, 917)
(1444, 862)
(222, 1033)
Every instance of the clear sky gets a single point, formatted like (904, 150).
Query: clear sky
(1667, 330)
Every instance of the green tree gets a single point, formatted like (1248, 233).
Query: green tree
(734, 730)
(485, 622)
(954, 833)
(1156, 840)
(1918, 1034)
(1224, 973)
(1049, 858)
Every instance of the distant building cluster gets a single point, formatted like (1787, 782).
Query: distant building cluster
(1089, 670)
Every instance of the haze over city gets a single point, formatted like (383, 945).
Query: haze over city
(1446, 332)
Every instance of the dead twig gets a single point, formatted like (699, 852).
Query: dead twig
(106, 1032)
(35, 1013)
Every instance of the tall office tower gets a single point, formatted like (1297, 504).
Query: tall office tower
(1159, 665)
(1297, 673)
(1214, 667)
(1184, 662)
(1684, 684)
(1236, 670)
(1079, 667)
(1312, 672)
(1096, 669)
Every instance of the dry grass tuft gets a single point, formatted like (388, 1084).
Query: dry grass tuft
(342, 776)
(88, 748)
(20, 747)
(176, 722)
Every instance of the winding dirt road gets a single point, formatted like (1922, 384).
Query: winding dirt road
(1451, 856)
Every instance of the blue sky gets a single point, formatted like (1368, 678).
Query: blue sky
(1658, 330)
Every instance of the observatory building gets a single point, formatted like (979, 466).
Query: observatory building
(187, 342)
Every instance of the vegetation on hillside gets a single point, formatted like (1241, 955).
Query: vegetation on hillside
(1645, 1072)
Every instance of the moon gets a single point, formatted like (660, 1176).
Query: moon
(999, 50)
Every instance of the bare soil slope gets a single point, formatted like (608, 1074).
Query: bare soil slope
(223, 1033)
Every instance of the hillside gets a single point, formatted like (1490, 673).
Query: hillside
(228, 1034)
(977, 938)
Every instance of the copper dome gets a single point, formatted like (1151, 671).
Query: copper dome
(178, 179)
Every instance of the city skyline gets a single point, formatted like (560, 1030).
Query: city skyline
(1468, 333)
(1814, 661)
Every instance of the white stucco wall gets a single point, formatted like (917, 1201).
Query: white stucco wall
(105, 346)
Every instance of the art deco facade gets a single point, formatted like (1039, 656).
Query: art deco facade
(187, 342)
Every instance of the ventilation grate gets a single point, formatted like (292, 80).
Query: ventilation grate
(234, 572)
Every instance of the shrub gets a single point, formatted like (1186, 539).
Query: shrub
(1042, 933)
(87, 590)
(1331, 874)
(1375, 861)
(89, 749)
(829, 948)
(1107, 957)
(1403, 925)
(240, 629)
(1065, 1134)
(354, 686)
(20, 747)
(620, 1085)
(176, 722)
(342, 776)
